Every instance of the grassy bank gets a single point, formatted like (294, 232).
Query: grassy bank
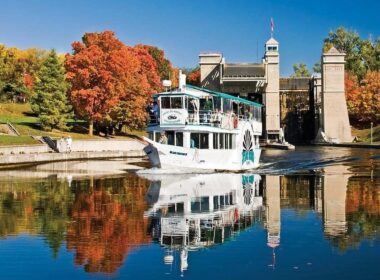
(6, 140)
(364, 135)
(27, 124)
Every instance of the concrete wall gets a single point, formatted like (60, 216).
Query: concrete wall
(81, 149)
(105, 145)
(210, 65)
(14, 160)
(31, 149)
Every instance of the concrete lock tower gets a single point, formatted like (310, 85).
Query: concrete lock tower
(210, 67)
(271, 95)
(335, 123)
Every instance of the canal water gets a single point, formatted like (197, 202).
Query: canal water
(311, 213)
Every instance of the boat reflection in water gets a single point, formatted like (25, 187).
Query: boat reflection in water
(191, 212)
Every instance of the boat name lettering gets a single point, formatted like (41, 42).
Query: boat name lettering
(178, 153)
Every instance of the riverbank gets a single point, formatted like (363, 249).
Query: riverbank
(16, 156)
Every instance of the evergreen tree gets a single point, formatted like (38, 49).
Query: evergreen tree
(50, 100)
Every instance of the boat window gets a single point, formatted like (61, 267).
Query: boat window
(227, 141)
(204, 141)
(216, 202)
(151, 136)
(180, 207)
(215, 141)
(168, 102)
(221, 140)
(199, 140)
(194, 140)
(158, 135)
(200, 204)
(230, 146)
(170, 136)
(165, 102)
(176, 102)
(179, 139)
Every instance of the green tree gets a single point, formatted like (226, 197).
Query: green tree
(50, 101)
(300, 70)
(317, 68)
(361, 55)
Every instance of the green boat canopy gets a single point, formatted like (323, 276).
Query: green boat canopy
(226, 96)
(208, 91)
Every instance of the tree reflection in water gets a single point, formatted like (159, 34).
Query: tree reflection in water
(106, 222)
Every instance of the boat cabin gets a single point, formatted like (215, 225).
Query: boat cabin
(199, 118)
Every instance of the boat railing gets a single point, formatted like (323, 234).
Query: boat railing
(213, 118)
(225, 120)
(153, 119)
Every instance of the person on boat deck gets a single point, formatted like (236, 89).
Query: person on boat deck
(163, 139)
(192, 143)
(216, 118)
(155, 109)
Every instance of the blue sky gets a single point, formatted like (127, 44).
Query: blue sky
(238, 29)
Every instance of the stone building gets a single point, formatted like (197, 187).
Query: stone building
(303, 108)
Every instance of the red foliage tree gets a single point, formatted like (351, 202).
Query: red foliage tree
(110, 79)
(143, 81)
(98, 71)
(370, 97)
(194, 77)
(352, 95)
(363, 100)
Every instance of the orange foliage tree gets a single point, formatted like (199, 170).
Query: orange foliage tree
(143, 81)
(352, 95)
(370, 97)
(194, 77)
(363, 100)
(165, 69)
(110, 81)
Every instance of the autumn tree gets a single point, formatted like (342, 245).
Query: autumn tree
(370, 98)
(193, 77)
(363, 100)
(164, 66)
(50, 101)
(98, 71)
(144, 81)
(18, 70)
(352, 96)
(300, 70)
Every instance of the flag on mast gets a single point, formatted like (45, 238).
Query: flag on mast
(271, 26)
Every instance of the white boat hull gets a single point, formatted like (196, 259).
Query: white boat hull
(174, 157)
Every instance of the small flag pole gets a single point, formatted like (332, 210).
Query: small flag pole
(271, 27)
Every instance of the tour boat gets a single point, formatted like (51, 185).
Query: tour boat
(196, 128)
